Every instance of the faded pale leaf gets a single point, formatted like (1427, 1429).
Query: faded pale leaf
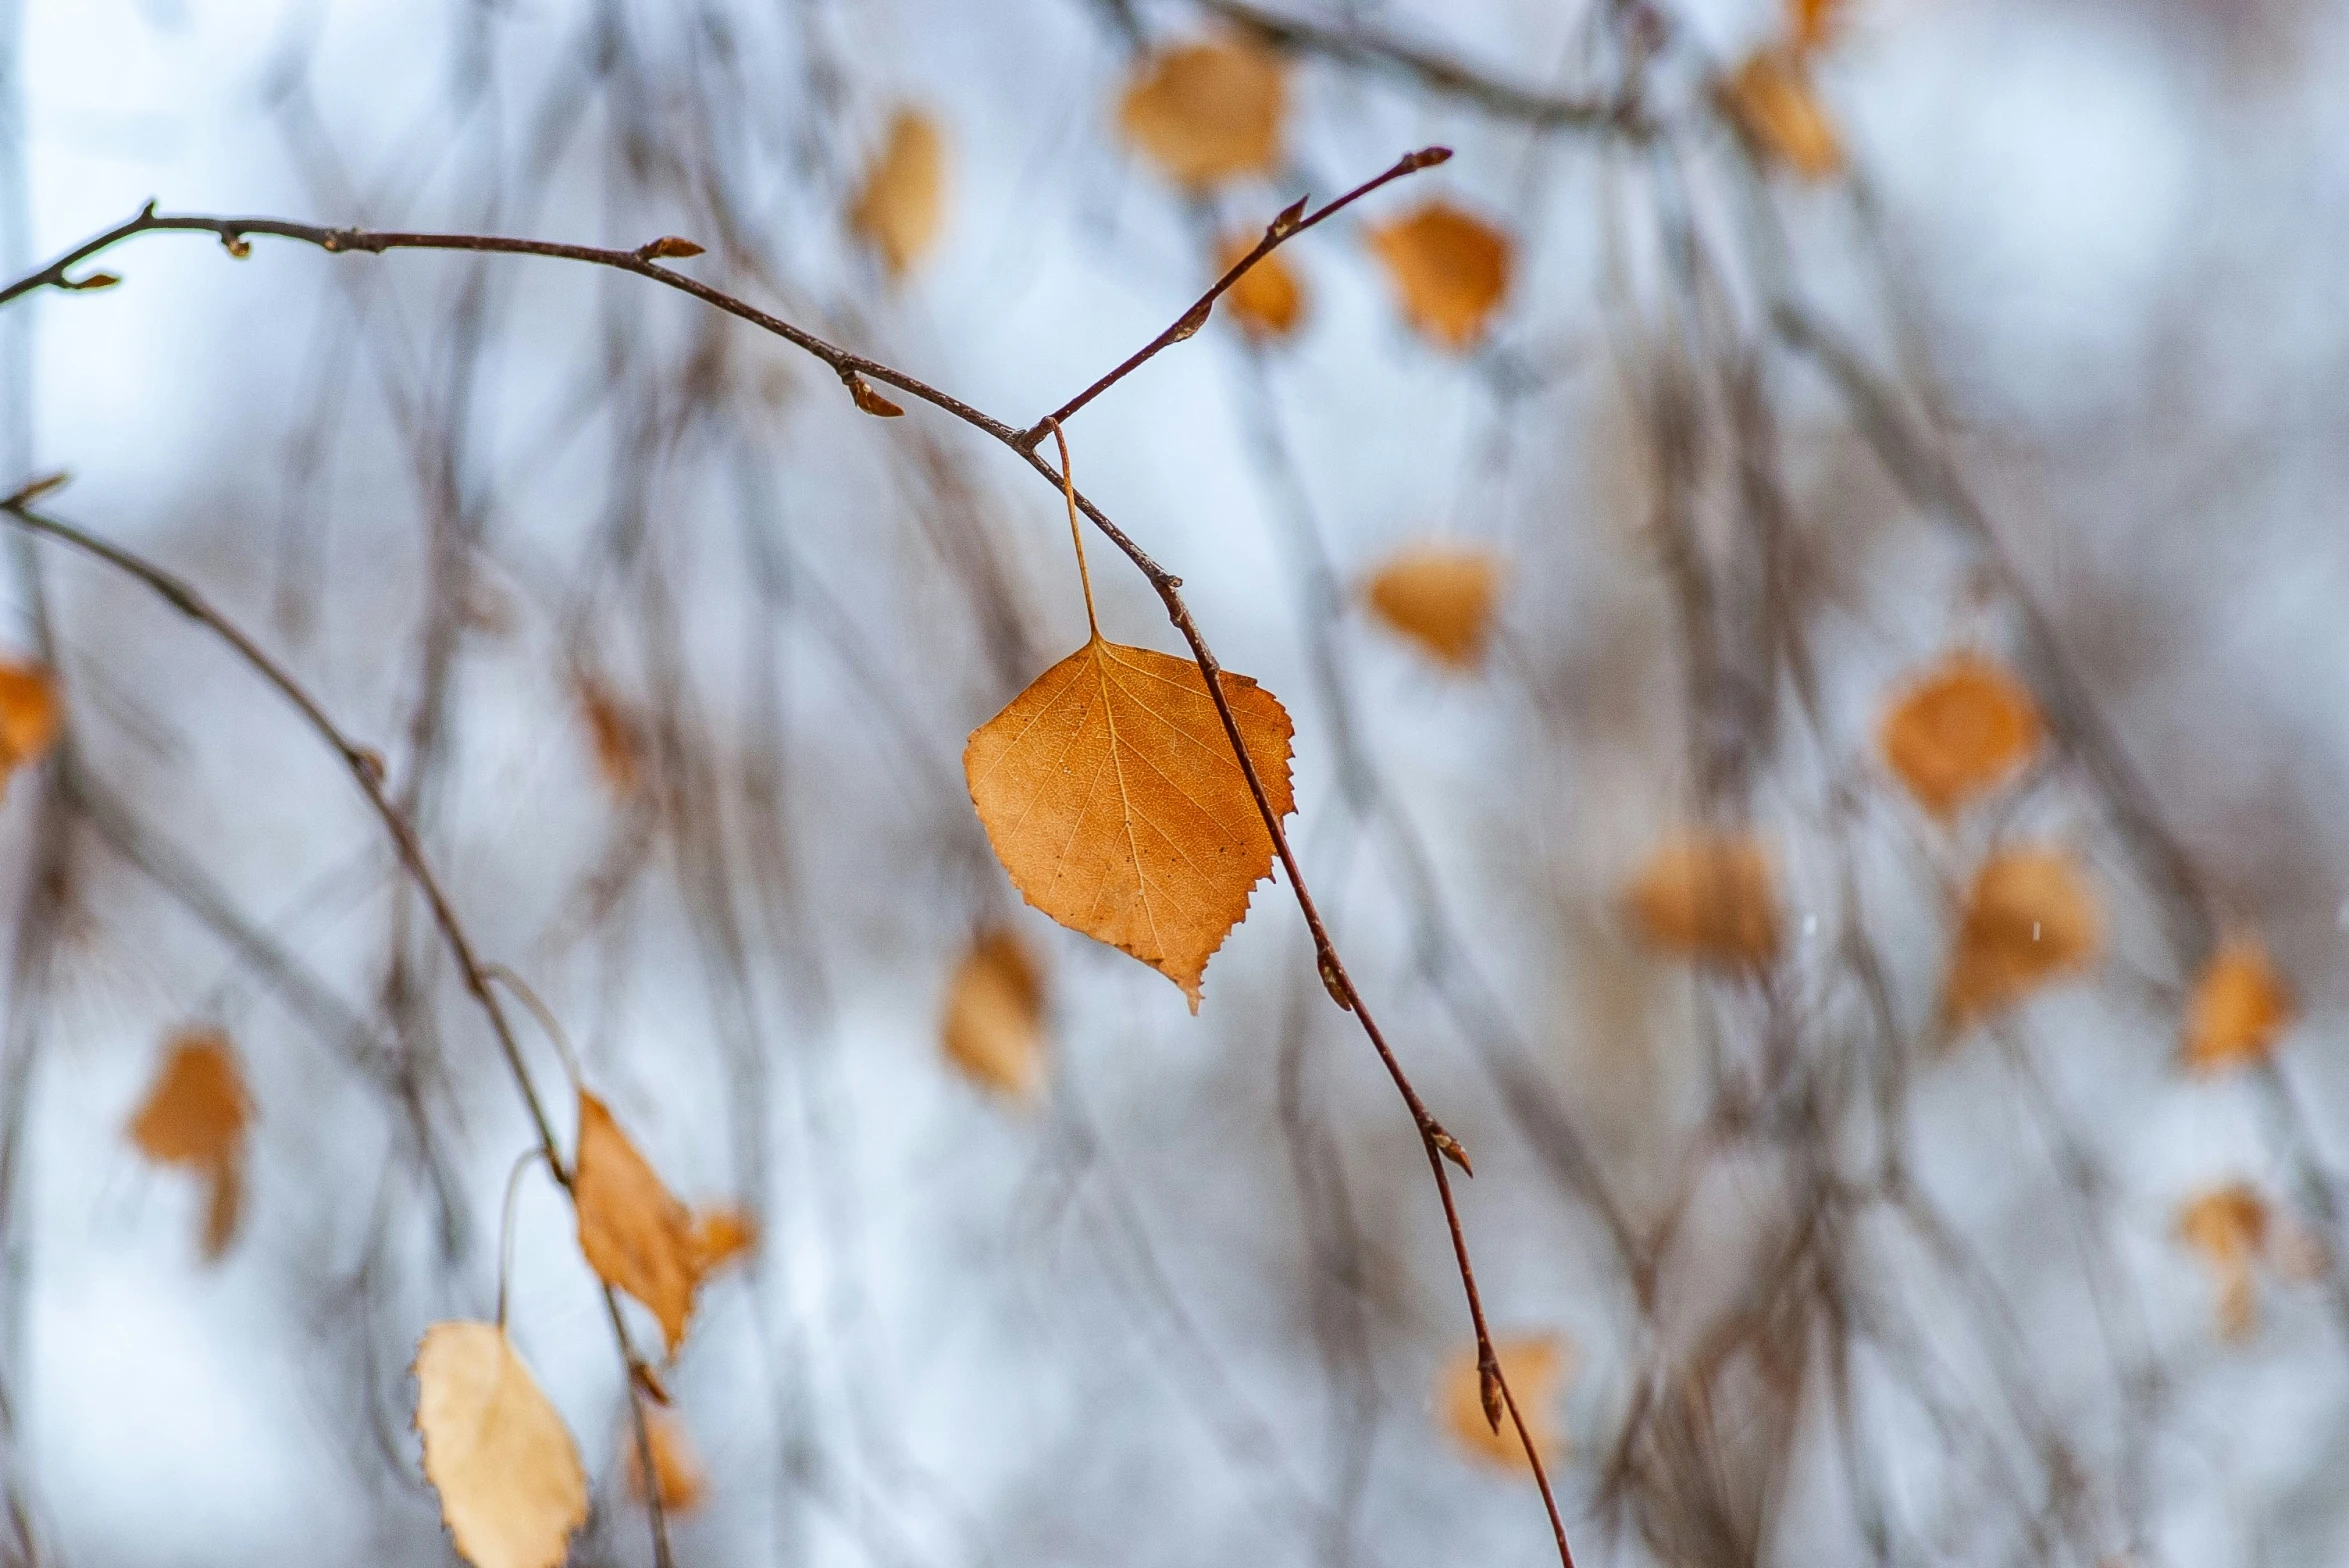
(1963, 729)
(1110, 793)
(1205, 112)
(637, 1237)
(2030, 918)
(2228, 1227)
(1268, 301)
(1450, 270)
(676, 1467)
(1536, 1367)
(1771, 99)
(616, 737)
(1711, 896)
(994, 1024)
(901, 207)
(28, 714)
(719, 1237)
(2238, 1007)
(510, 1484)
(1440, 596)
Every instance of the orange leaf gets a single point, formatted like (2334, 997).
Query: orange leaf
(1205, 112)
(1267, 302)
(675, 1465)
(637, 1237)
(1450, 270)
(2238, 1007)
(901, 207)
(1710, 896)
(1771, 100)
(1110, 793)
(2030, 918)
(994, 1026)
(1535, 1366)
(28, 714)
(719, 1237)
(617, 737)
(1811, 24)
(510, 1484)
(1963, 729)
(1441, 597)
(2228, 1226)
(194, 1117)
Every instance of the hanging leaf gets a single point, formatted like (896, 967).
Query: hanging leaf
(1110, 793)
(1450, 270)
(1771, 100)
(994, 1026)
(1812, 24)
(1206, 112)
(719, 1237)
(616, 736)
(2228, 1227)
(1965, 728)
(28, 715)
(1709, 896)
(637, 1237)
(901, 207)
(1440, 596)
(194, 1117)
(1537, 1366)
(1267, 302)
(510, 1484)
(2030, 918)
(676, 1467)
(2238, 1007)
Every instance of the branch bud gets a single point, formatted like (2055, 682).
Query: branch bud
(867, 399)
(667, 247)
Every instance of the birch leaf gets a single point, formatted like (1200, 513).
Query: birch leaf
(28, 714)
(1771, 99)
(1450, 270)
(1536, 1367)
(1812, 24)
(720, 1236)
(1204, 112)
(2237, 1009)
(2228, 1227)
(994, 1025)
(1709, 896)
(900, 209)
(1966, 727)
(616, 737)
(510, 1484)
(2030, 918)
(1268, 301)
(636, 1235)
(1439, 596)
(677, 1469)
(194, 1117)
(1110, 794)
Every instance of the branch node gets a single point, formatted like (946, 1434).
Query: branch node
(1488, 1381)
(867, 399)
(370, 762)
(235, 244)
(1335, 984)
(1449, 1147)
(668, 246)
(37, 489)
(91, 283)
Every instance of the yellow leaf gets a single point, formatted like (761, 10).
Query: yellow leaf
(1963, 729)
(994, 1026)
(28, 714)
(2030, 918)
(675, 1465)
(194, 1117)
(637, 1237)
(1111, 795)
(1267, 302)
(1771, 100)
(719, 1237)
(1205, 112)
(2238, 1007)
(901, 207)
(1441, 597)
(1711, 896)
(511, 1487)
(1811, 24)
(615, 734)
(2228, 1226)
(1535, 1366)
(1450, 270)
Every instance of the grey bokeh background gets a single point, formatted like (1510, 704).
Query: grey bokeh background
(1103, 1326)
